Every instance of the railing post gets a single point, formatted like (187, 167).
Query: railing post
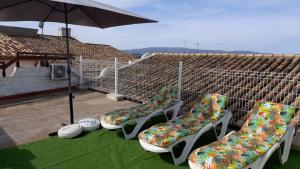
(3, 73)
(18, 61)
(47, 61)
(115, 95)
(116, 75)
(179, 80)
(81, 71)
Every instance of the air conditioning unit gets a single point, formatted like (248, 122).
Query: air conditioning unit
(59, 71)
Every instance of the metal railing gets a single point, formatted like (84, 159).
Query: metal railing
(143, 79)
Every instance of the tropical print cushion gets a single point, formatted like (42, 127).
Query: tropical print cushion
(165, 96)
(163, 99)
(265, 126)
(210, 106)
(206, 111)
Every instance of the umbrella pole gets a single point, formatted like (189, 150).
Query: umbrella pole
(69, 66)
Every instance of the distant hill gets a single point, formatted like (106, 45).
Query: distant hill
(140, 52)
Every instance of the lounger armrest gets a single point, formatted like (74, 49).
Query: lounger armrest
(287, 139)
(175, 103)
(291, 130)
(175, 107)
(227, 113)
(224, 120)
(289, 134)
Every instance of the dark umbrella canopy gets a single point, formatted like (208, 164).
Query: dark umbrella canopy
(77, 12)
(80, 12)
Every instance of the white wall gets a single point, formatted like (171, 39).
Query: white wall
(23, 64)
(28, 80)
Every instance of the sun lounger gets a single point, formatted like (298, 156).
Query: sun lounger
(160, 104)
(262, 134)
(205, 115)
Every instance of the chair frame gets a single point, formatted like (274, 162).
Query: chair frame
(190, 140)
(175, 107)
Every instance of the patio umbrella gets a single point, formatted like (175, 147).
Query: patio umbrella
(77, 12)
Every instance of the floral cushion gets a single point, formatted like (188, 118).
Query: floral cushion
(210, 106)
(206, 111)
(162, 100)
(265, 126)
(165, 97)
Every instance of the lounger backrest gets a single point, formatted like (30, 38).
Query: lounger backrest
(211, 106)
(169, 96)
(269, 120)
(165, 96)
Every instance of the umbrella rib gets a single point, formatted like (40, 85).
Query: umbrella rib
(49, 5)
(72, 9)
(53, 8)
(90, 17)
(15, 4)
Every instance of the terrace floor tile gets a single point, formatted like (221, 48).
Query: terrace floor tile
(26, 120)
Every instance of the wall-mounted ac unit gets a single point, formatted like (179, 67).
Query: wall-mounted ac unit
(59, 71)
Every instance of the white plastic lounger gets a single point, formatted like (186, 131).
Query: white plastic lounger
(163, 138)
(160, 104)
(175, 107)
(260, 163)
(254, 144)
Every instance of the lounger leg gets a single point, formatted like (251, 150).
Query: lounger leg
(287, 144)
(136, 129)
(254, 165)
(175, 109)
(190, 141)
(260, 163)
(186, 151)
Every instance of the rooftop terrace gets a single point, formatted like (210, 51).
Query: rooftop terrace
(244, 78)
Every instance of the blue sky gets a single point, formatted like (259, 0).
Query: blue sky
(257, 25)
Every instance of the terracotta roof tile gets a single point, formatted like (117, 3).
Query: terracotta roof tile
(11, 44)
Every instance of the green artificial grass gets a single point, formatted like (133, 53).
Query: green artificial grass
(101, 149)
